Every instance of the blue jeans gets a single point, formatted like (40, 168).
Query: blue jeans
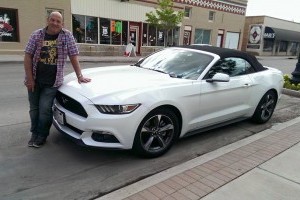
(40, 109)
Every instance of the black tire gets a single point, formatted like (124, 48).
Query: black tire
(265, 108)
(156, 133)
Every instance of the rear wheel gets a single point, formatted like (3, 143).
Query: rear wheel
(265, 108)
(156, 133)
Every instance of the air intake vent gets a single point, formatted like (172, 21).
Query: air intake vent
(70, 104)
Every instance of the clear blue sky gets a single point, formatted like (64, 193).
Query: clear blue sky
(282, 9)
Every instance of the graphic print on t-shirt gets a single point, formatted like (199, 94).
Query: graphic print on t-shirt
(47, 65)
(49, 52)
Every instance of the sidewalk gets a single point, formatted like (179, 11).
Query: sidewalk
(263, 166)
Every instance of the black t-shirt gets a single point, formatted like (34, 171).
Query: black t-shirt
(47, 66)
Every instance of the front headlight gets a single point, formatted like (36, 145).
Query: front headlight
(117, 109)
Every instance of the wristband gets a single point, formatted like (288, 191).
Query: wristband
(79, 76)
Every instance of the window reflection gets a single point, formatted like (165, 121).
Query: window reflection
(92, 30)
(78, 22)
(180, 63)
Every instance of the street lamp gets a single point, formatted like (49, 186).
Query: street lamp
(296, 73)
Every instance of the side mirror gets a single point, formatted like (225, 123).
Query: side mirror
(219, 77)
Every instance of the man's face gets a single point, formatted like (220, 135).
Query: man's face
(55, 24)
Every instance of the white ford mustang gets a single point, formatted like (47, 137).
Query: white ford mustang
(170, 94)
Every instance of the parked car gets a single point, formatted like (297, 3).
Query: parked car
(172, 93)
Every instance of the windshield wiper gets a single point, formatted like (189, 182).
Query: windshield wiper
(157, 70)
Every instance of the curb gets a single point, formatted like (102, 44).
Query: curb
(292, 93)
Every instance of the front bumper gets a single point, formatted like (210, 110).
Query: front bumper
(83, 130)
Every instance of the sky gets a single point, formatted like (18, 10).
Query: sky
(282, 9)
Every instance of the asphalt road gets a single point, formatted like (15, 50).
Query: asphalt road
(63, 170)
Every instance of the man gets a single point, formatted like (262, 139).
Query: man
(44, 62)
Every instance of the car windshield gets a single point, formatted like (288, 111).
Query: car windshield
(177, 62)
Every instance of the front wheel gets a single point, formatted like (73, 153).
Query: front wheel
(265, 108)
(156, 133)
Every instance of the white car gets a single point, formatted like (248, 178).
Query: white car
(170, 94)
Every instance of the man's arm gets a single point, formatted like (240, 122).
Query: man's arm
(77, 69)
(28, 71)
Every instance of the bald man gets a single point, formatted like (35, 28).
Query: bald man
(44, 62)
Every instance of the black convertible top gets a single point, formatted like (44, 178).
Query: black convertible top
(225, 53)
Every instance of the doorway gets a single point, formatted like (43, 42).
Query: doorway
(187, 38)
(135, 35)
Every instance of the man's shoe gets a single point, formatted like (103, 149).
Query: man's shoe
(31, 141)
(40, 141)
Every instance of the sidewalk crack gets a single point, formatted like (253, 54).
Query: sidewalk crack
(298, 183)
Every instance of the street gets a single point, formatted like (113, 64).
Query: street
(63, 170)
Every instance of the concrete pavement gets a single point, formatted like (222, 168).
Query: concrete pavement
(263, 166)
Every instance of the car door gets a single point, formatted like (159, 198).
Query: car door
(224, 101)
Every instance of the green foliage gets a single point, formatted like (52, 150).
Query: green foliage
(289, 85)
(164, 17)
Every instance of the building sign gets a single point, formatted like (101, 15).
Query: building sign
(8, 25)
(269, 33)
(255, 34)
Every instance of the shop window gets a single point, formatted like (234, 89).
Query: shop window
(160, 38)
(124, 32)
(202, 36)
(187, 12)
(78, 23)
(116, 31)
(173, 37)
(9, 30)
(91, 30)
(211, 16)
(152, 36)
(170, 38)
(283, 46)
(176, 36)
(145, 31)
(294, 48)
(104, 31)
(268, 45)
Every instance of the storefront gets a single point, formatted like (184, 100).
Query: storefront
(105, 27)
(267, 37)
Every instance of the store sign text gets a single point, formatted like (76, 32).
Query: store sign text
(269, 35)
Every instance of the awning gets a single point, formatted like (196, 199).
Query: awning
(281, 34)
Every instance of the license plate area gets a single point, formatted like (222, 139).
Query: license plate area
(59, 116)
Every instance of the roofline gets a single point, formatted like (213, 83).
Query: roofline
(272, 17)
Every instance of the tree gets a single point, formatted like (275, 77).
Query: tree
(165, 18)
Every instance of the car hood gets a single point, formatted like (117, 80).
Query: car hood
(118, 81)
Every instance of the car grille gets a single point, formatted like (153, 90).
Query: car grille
(70, 104)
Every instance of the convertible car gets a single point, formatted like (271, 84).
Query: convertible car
(172, 93)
